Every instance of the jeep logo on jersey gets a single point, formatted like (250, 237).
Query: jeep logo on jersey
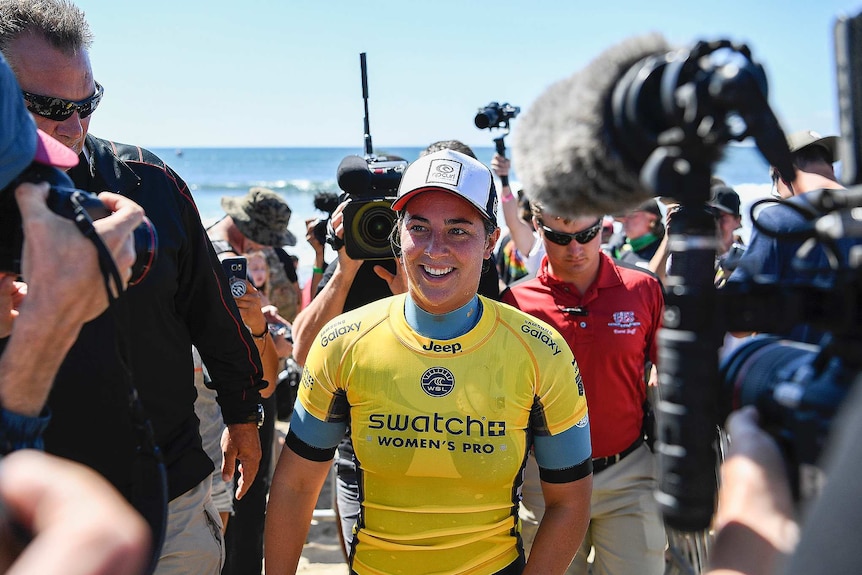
(436, 347)
(437, 382)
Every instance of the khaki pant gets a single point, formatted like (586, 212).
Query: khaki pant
(193, 543)
(626, 527)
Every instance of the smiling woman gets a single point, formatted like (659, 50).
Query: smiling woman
(446, 389)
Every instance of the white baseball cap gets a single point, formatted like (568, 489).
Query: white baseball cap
(452, 172)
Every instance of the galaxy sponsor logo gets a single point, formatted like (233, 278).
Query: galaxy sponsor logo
(336, 331)
(541, 334)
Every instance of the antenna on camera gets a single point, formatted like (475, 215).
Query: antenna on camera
(369, 149)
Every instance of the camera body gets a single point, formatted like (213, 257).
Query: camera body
(325, 202)
(797, 389)
(68, 202)
(369, 218)
(496, 115)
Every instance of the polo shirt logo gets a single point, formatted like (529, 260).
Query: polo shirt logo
(625, 323)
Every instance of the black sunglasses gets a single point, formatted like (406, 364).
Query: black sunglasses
(59, 109)
(564, 239)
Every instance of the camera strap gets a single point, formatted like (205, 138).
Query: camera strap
(150, 489)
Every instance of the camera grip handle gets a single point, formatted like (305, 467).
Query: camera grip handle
(501, 149)
(688, 345)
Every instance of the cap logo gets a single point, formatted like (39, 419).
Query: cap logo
(444, 171)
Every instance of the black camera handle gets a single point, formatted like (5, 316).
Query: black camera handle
(149, 464)
(501, 149)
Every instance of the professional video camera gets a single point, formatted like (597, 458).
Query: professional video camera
(496, 115)
(325, 202)
(371, 183)
(70, 203)
(677, 111)
(644, 120)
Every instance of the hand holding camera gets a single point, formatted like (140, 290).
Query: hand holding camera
(54, 248)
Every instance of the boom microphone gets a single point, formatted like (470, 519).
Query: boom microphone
(354, 177)
(564, 149)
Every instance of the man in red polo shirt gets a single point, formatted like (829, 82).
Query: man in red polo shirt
(609, 313)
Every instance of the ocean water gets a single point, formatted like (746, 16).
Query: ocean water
(299, 173)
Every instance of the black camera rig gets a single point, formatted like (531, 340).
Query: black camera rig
(672, 115)
(371, 184)
(496, 115)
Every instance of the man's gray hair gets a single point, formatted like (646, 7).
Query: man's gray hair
(60, 22)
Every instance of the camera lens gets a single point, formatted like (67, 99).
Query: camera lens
(376, 225)
(368, 225)
(752, 371)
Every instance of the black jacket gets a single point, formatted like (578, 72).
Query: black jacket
(182, 301)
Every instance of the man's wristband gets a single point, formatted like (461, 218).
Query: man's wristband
(263, 335)
(507, 197)
(317, 270)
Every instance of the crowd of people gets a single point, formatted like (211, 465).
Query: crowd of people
(484, 397)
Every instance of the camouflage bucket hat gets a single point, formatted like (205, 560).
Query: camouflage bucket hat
(261, 216)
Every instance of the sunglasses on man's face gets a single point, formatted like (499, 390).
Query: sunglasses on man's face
(564, 239)
(59, 109)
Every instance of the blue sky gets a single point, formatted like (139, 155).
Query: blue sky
(187, 73)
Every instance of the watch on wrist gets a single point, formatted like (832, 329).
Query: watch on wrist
(261, 415)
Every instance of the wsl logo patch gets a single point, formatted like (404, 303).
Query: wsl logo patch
(437, 382)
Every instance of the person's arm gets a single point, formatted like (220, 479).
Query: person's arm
(329, 303)
(296, 485)
(319, 251)
(251, 310)
(79, 523)
(755, 529)
(521, 232)
(567, 516)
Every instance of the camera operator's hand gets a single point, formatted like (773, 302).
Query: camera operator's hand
(345, 262)
(311, 237)
(397, 281)
(500, 165)
(61, 266)
(754, 522)
(79, 523)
